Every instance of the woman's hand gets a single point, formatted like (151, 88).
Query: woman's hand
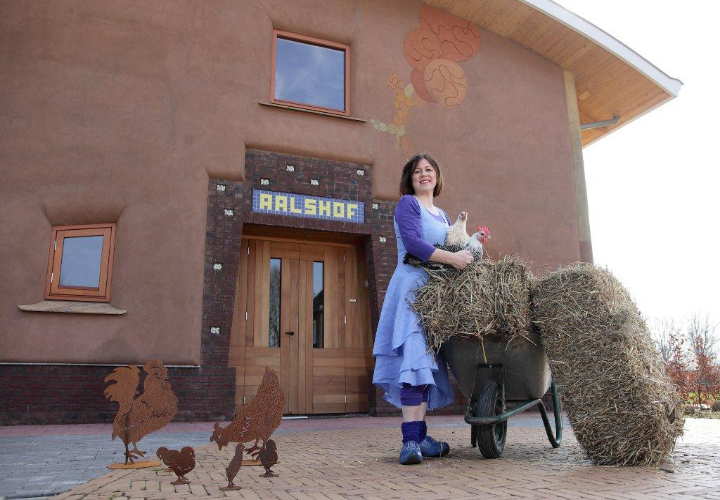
(461, 259)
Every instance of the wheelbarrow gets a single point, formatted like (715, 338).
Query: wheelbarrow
(493, 376)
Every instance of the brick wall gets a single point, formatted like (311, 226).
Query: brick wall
(56, 394)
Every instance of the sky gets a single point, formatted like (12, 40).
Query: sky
(654, 185)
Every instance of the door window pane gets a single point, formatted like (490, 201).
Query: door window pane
(310, 74)
(81, 261)
(275, 279)
(318, 304)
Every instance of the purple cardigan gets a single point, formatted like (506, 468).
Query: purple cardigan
(408, 217)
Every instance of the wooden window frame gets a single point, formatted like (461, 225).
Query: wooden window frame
(311, 41)
(53, 291)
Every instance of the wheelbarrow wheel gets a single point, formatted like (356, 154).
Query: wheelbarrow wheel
(490, 438)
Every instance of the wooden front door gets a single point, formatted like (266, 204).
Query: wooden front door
(302, 310)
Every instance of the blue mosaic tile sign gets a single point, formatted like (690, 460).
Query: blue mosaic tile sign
(312, 207)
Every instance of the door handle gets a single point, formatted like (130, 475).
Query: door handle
(289, 333)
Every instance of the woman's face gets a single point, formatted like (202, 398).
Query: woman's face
(424, 177)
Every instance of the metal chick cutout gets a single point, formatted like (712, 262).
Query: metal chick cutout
(140, 413)
(233, 467)
(255, 421)
(268, 457)
(180, 462)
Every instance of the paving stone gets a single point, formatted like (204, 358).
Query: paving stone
(314, 466)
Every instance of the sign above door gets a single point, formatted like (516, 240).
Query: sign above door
(312, 207)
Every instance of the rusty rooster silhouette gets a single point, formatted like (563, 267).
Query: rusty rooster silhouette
(180, 462)
(140, 414)
(257, 420)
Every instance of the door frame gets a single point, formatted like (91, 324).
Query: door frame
(341, 373)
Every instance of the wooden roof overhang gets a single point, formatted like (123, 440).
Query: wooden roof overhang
(610, 78)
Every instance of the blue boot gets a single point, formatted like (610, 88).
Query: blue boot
(429, 447)
(410, 453)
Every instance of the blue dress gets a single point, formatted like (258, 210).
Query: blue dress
(401, 354)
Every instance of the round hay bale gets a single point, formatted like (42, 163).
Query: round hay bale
(622, 405)
(486, 300)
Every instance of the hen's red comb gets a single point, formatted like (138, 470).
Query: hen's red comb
(483, 229)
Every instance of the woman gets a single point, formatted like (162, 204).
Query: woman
(412, 378)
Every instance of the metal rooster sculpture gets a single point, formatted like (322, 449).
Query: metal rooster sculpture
(140, 414)
(255, 421)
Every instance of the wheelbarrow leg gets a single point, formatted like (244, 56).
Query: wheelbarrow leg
(473, 435)
(555, 439)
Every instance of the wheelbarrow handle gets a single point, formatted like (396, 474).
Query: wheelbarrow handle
(555, 439)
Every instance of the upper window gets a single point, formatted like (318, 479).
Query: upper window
(80, 263)
(310, 73)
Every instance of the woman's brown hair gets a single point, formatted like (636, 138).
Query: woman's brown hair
(406, 186)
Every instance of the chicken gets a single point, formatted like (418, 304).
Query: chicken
(456, 239)
(140, 415)
(258, 419)
(457, 233)
(475, 245)
(268, 457)
(180, 462)
(233, 467)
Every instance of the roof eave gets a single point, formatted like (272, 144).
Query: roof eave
(600, 37)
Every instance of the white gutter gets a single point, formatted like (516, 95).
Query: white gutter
(592, 32)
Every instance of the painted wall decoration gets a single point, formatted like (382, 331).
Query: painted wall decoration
(434, 50)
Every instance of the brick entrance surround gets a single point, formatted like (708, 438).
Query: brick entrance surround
(73, 394)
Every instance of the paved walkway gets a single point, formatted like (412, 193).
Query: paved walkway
(351, 458)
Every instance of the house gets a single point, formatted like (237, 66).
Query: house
(212, 183)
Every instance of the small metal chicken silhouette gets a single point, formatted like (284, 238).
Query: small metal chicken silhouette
(232, 469)
(139, 415)
(255, 421)
(268, 457)
(181, 462)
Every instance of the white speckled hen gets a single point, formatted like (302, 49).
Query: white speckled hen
(457, 234)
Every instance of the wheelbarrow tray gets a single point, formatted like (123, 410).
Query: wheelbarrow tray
(527, 372)
(489, 375)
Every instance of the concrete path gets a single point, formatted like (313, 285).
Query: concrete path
(351, 458)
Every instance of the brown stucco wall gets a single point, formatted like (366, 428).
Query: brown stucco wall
(122, 111)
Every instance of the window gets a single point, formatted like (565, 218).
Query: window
(310, 73)
(275, 284)
(80, 263)
(318, 304)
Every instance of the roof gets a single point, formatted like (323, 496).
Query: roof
(610, 78)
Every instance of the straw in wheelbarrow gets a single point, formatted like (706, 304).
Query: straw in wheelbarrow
(486, 300)
(623, 407)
